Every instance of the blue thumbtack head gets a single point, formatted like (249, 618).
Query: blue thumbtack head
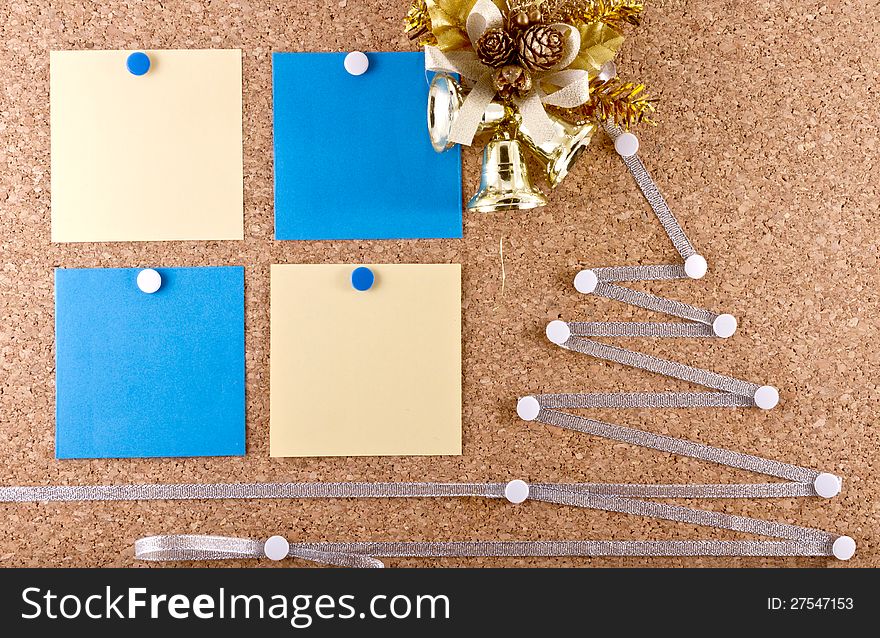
(138, 63)
(362, 278)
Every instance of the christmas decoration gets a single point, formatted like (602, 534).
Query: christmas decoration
(544, 65)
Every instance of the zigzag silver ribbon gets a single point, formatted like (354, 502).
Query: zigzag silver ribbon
(698, 322)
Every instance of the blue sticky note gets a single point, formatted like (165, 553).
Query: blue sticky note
(352, 154)
(147, 375)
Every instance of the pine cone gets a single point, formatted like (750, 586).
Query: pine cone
(512, 80)
(540, 47)
(495, 48)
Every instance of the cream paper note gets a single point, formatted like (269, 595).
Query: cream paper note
(366, 373)
(151, 157)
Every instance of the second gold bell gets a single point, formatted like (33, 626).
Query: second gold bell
(505, 183)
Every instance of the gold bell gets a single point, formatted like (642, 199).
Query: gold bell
(504, 183)
(561, 151)
(444, 102)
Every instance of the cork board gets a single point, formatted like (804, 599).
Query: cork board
(766, 149)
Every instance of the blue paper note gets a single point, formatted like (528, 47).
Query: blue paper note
(352, 154)
(146, 375)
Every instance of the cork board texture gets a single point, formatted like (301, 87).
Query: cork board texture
(766, 150)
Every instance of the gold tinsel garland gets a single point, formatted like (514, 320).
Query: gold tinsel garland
(615, 100)
(417, 24)
(615, 13)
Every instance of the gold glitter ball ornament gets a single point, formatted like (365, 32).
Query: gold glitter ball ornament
(495, 48)
(523, 19)
(540, 47)
(512, 80)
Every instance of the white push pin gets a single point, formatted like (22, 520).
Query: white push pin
(276, 548)
(357, 63)
(827, 485)
(586, 281)
(608, 71)
(516, 491)
(766, 397)
(527, 408)
(696, 267)
(149, 280)
(843, 548)
(626, 145)
(724, 326)
(558, 332)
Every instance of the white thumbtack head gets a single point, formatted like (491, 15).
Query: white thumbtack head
(608, 71)
(695, 266)
(558, 332)
(527, 408)
(586, 281)
(626, 145)
(516, 491)
(276, 548)
(766, 397)
(724, 326)
(827, 485)
(843, 548)
(356, 63)
(149, 281)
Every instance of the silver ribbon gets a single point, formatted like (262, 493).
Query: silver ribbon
(254, 491)
(665, 367)
(207, 548)
(658, 204)
(698, 321)
(622, 498)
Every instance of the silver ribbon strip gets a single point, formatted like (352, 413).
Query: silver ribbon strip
(655, 198)
(254, 491)
(657, 304)
(664, 272)
(797, 541)
(665, 367)
(199, 548)
(639, 329)
(628, 400)
(682, 447)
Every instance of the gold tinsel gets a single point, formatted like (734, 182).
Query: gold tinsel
(417, 24)
(614, 13)
(614, 100)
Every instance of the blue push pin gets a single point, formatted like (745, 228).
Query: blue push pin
(362, 278)
(138, 63)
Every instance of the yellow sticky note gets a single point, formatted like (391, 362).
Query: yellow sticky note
(150, 157)
(365, 373)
